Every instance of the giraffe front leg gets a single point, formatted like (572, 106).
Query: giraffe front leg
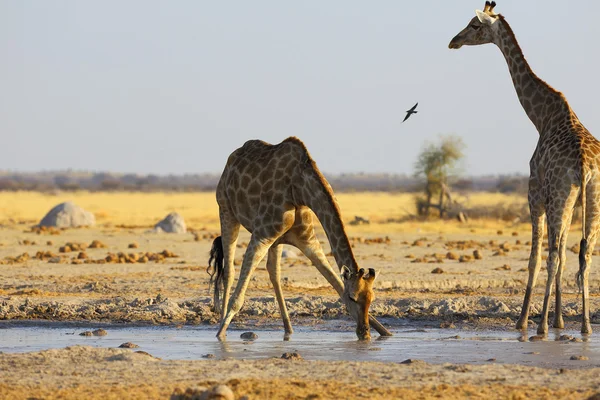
(274, 269)
(535, 262)
(256, 251)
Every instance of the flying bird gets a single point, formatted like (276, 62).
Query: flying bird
(411, 112)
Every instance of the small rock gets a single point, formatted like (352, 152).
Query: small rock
(133, 245)
(219, 392)
(437, 270)
(99, 332)
(536, 338)
(491, 360)
(579, 358)
(209, 355)
(129, 345)
(249, 336)
(465, 258)
(477, 254)
(86, 333)
(412, 361)
(96, 244)
(565, 338)
(452, 256)
(291, 356)
(505, 267)
(576, 340)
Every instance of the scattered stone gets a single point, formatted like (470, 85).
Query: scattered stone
(249, 336)
(412, 361)
(500, 232)
(579, 358)
(96, 244)
(477, 254)
(291, 356)
(537, 338)
(565, 338)
(49, 243)
(82, 256)
(465, 258)
(505, 267)
(64, 249)
(410, 256)
(491, 360)
(172, 223)
(68, 215)
(209, 355)
(437, 270)
(145, 353)
(129, 345)
(452, 256)
(86, 333)
(133, 245)
(99, 332)
(575, 248)
(515, 233)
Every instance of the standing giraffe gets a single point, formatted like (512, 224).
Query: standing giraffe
(270, 190)
(564, 168)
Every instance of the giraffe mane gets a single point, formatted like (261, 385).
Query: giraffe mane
(311, 165)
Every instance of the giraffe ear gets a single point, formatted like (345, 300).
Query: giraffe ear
(485, 18)
(346, 273)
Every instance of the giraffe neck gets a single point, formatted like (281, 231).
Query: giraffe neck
(544, 106)
(316, 193)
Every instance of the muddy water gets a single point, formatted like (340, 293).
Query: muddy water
(316, 343)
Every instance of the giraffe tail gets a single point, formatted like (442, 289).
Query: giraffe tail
(583, 245)
(215, 269)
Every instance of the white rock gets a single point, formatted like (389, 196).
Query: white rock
(172, 223)
(68, 215)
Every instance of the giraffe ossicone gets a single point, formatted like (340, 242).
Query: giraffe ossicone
(563, 169)
(271, 190)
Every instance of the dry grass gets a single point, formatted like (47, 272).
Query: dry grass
(200, 209)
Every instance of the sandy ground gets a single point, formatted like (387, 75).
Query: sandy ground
(84, 372)
(484, 292)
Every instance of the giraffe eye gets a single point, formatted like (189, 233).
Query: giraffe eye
(476, 27)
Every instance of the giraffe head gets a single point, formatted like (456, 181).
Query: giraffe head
(482, 29)
(358, 295)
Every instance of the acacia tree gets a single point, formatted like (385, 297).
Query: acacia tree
(437, 163)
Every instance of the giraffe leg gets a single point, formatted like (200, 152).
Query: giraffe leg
(256, 251)
(535, 262)
(230, 229)
(558, 318)
(591, 235)
(559, 212)
(274, 268)
(584, 272)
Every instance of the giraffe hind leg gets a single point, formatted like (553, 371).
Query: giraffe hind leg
(230, 229)
(274, 269)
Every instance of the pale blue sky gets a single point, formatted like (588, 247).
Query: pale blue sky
(174, 87)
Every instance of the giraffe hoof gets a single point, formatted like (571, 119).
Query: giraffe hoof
(522, 324)
(542, 329)
(558, 324)
(586, 329)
